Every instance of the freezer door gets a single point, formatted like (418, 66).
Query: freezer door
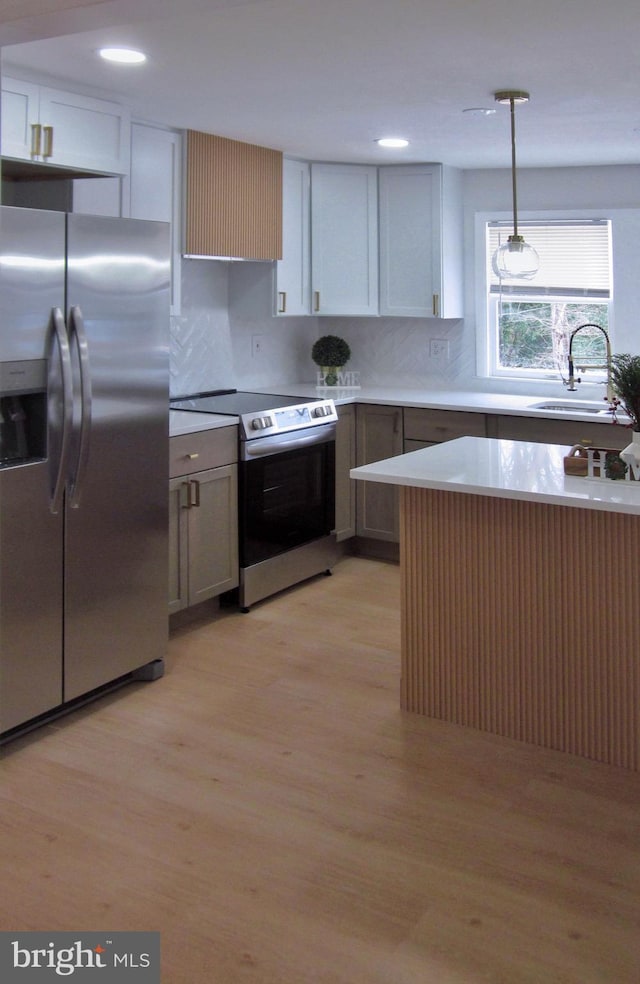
(30, 597)
(31, 285)
(116, 531)
(31, 280)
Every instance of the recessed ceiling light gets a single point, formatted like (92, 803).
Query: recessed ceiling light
(124, 56)
(479, 111)
(392, 142)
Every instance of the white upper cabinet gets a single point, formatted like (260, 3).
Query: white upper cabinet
(20, 108)
(49, 126)
(98, 196)
(155, 188)
(293, 284)
(420, 241)
(344, 239)
(384, 240)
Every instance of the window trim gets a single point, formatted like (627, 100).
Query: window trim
(485, 367)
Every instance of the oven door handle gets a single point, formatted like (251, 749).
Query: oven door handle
(260, 448)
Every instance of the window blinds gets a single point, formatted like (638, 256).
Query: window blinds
(575, 258)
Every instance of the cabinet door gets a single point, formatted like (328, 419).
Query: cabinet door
(98, 196)
(19, 112)
(293, 285)
(213, 533)
(379, 436)
(155, 188)
(87, 133)
(409, 241)
(344, 239)
(420, 241)
(345, 461)
(178, 544)
(203, 536)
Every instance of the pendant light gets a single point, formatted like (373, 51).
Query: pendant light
(515, 259)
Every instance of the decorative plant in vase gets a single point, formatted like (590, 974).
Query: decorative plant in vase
(331, 353)
(625, 379)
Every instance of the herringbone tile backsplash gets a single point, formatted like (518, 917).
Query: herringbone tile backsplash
(224, 306)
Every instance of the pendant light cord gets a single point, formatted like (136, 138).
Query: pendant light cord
(513, 166)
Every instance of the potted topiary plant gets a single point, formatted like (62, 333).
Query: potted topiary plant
(625, 379)
(331, 353)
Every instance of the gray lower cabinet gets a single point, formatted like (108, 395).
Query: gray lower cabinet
(385, 431)
(203, 517)
(379, 436)
(345, 461)
(544, 430)
(424, 427)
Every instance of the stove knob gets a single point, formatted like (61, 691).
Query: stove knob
(259, 423)
(321, 411)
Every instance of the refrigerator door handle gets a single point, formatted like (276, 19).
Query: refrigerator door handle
(65, 380)
(78, 337)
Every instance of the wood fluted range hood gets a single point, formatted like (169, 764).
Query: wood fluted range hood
(233, 198)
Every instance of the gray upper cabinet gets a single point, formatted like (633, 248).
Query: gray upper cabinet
(421, 240)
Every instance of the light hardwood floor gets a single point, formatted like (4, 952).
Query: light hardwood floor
(268, 808)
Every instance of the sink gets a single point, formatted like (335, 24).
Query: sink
(571, 406)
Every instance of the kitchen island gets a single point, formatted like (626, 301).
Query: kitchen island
(520, 605)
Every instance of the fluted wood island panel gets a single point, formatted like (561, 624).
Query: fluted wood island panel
(522, 619)
(521, 615)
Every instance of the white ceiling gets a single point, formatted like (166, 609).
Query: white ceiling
(321, 79)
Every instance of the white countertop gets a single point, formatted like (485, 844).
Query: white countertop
(445, 399)
(186, 422)
(503, 469)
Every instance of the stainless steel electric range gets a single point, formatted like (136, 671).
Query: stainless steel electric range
(286, 486)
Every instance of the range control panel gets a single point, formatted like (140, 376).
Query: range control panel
(282, 419)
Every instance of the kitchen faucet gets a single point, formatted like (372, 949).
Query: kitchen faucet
(571, 382)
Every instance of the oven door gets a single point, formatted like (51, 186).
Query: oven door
(287, 492)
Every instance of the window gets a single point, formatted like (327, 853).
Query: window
(529, 322)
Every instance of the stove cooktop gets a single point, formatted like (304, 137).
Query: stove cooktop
(236, 403)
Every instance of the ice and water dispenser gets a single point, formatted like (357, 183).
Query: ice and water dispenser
(23, 412)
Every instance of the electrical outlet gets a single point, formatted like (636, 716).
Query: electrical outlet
(439, 349)
(257, 346)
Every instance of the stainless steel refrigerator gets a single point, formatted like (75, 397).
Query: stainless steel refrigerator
(84, 323)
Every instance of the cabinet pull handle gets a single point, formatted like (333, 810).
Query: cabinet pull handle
(436, 305)
(36, 139)
(48, 141)
(282, 294)
(316, 300)
(187, 503)
(194, 500)
(193, 455)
